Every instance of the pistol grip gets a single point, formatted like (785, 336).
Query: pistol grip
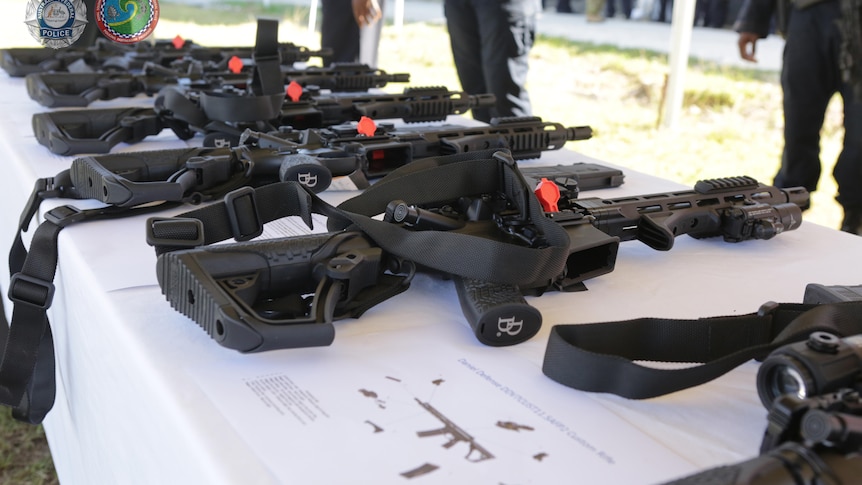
(498, 313)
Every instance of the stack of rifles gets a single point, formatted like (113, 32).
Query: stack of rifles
(266, 134)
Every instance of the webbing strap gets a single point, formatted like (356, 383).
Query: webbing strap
(469, 253)
(601, 357)
(267, 94)
(27, 368)
(458, 252)
(27, 378)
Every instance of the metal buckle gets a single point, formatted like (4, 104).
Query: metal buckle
(19, 294)
(175, 231)
(242, 213)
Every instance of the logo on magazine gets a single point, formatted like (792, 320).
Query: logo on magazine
(509, 326)
(56, 23)
(127, 21)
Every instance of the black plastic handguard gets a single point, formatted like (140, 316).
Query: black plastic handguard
(525, 137)
(279, 293)
(343, 77)
(390, 148)
(423, 104)
(735, 208)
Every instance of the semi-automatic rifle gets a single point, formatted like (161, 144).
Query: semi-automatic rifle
(108, 56)
(190, 174)
(382, 148)
(737, 209)
(75, 131)
(202, 280)
(79, 89)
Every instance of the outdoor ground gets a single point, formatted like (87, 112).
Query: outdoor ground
(731, 124)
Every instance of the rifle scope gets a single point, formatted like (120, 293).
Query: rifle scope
(822, 364)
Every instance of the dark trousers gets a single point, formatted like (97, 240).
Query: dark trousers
(712, 12)
(339, 31)
(491, 42)
(611, 8)
(810, 77)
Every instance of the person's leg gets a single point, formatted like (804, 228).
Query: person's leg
(507, 30)
(848, 167)
(808, 85)
(717, 13)
(595, 10)
(462, 23)
(627, 8)
(339, 31)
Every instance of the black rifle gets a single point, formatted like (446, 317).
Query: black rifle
(190, 174)
(79, 89)
(737, 209)
(388, 147)
(102, 55)
(74, 131)
(177, 54)
(197, 280)
(343, 77)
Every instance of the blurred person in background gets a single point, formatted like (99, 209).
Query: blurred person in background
(595, 10)
(351, 28)
(611, 8)
(811, 74)
(491, 42)
(711, 13)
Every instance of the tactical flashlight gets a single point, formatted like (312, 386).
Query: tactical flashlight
(824, 363)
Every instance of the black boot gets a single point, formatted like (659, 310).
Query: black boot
(852, 220)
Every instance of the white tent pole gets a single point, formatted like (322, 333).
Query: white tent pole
(312, 16)
(680, 46)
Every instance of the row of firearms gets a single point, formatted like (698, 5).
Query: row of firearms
(268, 138)
(341, 143)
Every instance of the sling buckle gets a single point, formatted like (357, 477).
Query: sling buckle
(31, 291)
(242, 213)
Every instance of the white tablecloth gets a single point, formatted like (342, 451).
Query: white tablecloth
(145, 396)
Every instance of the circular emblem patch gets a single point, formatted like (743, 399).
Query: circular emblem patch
(127, 21)
(56, 23)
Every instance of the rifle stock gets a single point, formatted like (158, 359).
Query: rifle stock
(254, 296)
(70, 132)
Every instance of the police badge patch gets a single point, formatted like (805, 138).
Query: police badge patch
(127, 21)
(56, 23)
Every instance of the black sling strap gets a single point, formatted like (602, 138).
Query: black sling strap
(27, 375)
(462, 253)
(601, 357)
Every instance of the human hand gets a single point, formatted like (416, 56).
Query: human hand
(748, 45)
(366, 12)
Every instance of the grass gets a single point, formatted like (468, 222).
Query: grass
(24, 455)
(731, 124)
